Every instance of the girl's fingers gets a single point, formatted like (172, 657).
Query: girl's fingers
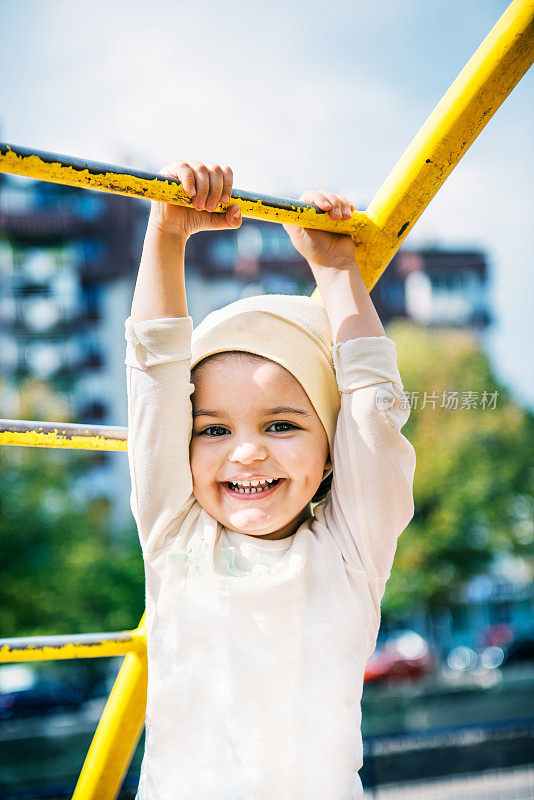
(335, 204)
(187, 178)
(207, 184)
(323, 201)
(338, 206)
(228, 178)
(346, 207)
(202, 182)
(216, 186)
(233, 216)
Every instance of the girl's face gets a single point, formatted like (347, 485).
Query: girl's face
(252, 419)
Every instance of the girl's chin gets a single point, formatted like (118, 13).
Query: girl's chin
(250, 521)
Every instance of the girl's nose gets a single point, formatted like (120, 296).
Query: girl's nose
(248, 452)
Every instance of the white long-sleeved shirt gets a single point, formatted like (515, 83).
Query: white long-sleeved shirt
(257, 648)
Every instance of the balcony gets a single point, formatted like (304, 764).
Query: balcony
(455, 300)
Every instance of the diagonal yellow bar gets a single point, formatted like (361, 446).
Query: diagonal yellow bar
(476, 94)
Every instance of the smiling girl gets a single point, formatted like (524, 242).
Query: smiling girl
(261, 613)
(254, 475)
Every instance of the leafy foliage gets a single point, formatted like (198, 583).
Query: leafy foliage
(62, 569)
(474, 480)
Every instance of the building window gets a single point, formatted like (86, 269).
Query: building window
(447, 282)
(94, 411)
(393, 297)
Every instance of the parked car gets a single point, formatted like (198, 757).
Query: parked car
(404, 655)
(497, 635)
(42, 697)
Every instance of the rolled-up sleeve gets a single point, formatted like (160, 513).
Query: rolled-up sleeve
(158, 373)
(371, 500)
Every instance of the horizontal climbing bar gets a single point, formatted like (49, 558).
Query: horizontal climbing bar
(25, 433)
(86, 645)
(122, 720)
(57, 168)
(476, 94)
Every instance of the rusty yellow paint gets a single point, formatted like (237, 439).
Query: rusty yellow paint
(57, 439)
(24, 433)
(46, 649)
(118, 180)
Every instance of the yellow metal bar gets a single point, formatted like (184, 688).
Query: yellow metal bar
(25, 433)
(89, 645)
(57, 168)
(476, 94)
(118, 732)
(479, 90)
(122, 721)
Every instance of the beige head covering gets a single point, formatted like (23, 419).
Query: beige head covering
(292, 330)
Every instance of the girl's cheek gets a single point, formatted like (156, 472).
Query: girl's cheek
(202, 456)
(196, 457)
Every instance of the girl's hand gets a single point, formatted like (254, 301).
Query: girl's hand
(321, 249)
(207, 185)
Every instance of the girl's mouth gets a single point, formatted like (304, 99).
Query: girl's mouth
(253, 492)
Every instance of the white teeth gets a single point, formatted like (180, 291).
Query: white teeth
(251, 487)
(255, 482)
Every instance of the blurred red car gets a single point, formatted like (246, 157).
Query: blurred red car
(500, 635)
(404, 655)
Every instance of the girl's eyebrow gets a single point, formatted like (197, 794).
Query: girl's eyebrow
(266, 412)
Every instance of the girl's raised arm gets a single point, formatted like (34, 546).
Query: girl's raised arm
(158, 354)
(371, 501)
(160, 287)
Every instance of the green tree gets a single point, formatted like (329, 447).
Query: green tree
(474, 479)
(62, 570)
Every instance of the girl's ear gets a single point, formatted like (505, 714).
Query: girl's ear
(327, 468)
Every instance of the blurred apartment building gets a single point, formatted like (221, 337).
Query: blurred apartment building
(436, 287)
(67, 257)
(68, 262)
(429, 286)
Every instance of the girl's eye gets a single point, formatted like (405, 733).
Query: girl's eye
(213, 428)
(215, 431)
(288, 427)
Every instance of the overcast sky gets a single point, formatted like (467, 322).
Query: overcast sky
(292, 95)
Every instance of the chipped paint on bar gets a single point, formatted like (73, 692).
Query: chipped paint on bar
(65, 435)
(47, 648)
(55, 439)
(56, 168)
